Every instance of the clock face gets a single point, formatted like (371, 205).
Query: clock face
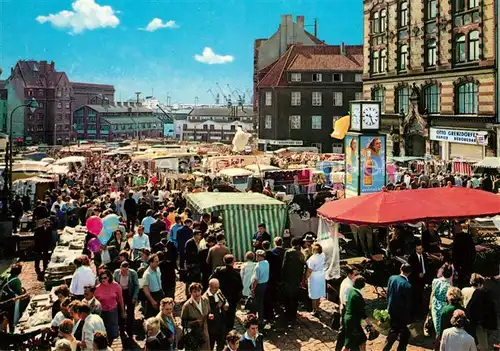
(356, 117)
(371, 116)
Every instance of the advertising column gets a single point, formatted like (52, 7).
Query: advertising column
(352, 165)
(372, 167)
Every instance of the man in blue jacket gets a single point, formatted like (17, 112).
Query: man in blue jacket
(399, 302)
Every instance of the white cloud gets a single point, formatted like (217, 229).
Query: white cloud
(157, 23)
(211, 58)
(86, 15)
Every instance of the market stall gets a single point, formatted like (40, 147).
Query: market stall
(241, 214)
(36, 185)
(383, 209)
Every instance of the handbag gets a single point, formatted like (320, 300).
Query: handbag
(335, 322)
(428, 325)
(250, 303)
(190, 339)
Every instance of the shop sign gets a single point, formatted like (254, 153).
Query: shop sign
(473, 137)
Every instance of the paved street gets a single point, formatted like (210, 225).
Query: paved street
(310, 333)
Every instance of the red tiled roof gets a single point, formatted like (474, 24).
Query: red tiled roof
(313, 58)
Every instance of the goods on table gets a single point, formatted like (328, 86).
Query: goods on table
(37, 314)
(71, 243)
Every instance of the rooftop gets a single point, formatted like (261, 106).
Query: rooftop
(120, 107)
(313, 58)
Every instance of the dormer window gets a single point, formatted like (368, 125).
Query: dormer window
(316, 77)
(296, 77)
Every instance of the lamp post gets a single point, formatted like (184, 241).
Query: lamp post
(33, 105)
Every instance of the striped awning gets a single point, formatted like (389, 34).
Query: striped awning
(241, 214)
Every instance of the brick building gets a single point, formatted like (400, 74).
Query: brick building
(431, 64)
(111, 122)
(302, 86)
(57, 98)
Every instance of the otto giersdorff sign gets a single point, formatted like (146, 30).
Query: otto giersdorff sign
(459, 136)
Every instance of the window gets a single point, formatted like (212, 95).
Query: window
(59, 116)
(402, 100)
(431, 53)
(431, 9)
(212, 127)
(473, 3)
(358, 77)
(431, 99)
(316, 122)
(383, 61)
(403, 14)
(59, 93)
(317, 77)
(40, 105)
(68, 116)
(268, 122)
(316, 98)
(30, 92)
(338, 98)
(474, 45)
(59, 105)
(375, 23)
(40, 92)
(383, 21)
(269, 98)
(295, 98)
(358, 95)
(460, 49)
(337, 77)
(403, 57)
(294, 122)
(467, 98)
(375, 62)
(296, 77)
(378, 95)
(67, 105)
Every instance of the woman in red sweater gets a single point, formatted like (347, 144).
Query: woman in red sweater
(109, 294)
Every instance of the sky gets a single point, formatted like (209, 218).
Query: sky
(163, 47)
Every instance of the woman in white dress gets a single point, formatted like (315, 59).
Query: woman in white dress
(316, 276)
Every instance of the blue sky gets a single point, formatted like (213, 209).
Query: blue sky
(141, 45)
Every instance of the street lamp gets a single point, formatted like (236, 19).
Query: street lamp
(7, 189)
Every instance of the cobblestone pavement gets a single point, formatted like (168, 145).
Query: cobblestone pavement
(309, 334)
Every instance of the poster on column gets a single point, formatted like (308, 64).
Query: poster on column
(372, 167)
(352, 165)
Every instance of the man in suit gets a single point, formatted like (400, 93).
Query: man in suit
(419, 264)
(155, 230)
(130, 207)
(399, 295)
(291, 274)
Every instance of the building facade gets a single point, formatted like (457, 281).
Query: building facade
(57, 97)
(114, 122)
(303, 91)
(89, 93)
(431, 65)
(3, 105)
(217, 124)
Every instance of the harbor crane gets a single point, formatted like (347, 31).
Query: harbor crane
(227, 98)
(215, 96)
(239, 96)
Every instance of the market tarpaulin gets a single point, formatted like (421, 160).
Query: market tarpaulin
(411, 206)
(241, 214)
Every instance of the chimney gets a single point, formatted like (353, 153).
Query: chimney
(52, 65)
(342, 49)
(300, 21)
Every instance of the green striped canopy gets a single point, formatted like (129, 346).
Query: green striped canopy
(241, 214)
